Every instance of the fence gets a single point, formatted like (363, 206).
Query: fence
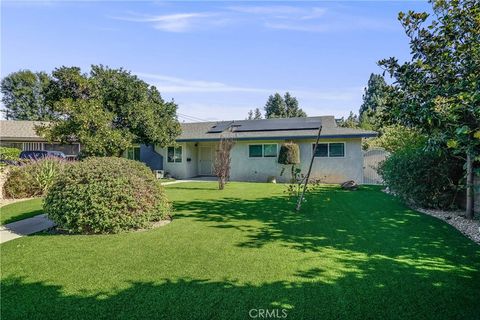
(371, 160)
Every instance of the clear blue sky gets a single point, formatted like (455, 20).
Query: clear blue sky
(216, 59)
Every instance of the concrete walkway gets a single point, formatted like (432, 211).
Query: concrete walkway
(197, 179)
(24, 227)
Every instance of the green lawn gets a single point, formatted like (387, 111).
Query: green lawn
(20, 210)
(347, 255)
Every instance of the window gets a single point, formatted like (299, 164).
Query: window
(322, 150)
(255, 151)
(336, 149)
(133, 153)
(174, 154)
(332, 150)
(268, 150)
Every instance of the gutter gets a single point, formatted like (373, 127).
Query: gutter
(344, 136)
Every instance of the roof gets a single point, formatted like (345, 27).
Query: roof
(20, 130)
(265, 129)
(270, 129)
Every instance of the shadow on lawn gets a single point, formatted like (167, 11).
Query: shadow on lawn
(393, 264)
(410, 296)
(366, 221)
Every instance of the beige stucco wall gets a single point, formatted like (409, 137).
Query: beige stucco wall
(329, 170)
(185, 169)
(243, 168)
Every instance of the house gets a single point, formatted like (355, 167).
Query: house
(254, 157)
(22, 135)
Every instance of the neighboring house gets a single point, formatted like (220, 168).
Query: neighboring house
(254, 157)
(22, 135)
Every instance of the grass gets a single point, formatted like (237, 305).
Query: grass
(20, 210)
(347, 255)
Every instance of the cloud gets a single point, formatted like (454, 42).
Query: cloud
(177, 22)
(274, 17)
(281, 12)
(173, 84)
(169, 84)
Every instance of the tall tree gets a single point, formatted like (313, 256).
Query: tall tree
(292, 109)
(250, 115)
(283, 107)
(374, 101)
(108, 110)
(24, 96)
(275, 107)
(438, 90)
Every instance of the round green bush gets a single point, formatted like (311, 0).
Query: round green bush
(289, 153)
(423, 178)
(32, 179)
(106, 195)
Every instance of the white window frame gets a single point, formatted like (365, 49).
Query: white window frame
(181, 154)
(328, 149)
(263, 153)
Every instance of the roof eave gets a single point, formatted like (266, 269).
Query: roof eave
(335, 136)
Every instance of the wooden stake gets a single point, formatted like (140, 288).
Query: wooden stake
(300, 199)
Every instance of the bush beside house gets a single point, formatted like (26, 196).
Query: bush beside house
(106, 195)
(423, 178)
(32, 179)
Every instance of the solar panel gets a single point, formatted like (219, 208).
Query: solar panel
(220, 127)
(277, 124)
(267, 125)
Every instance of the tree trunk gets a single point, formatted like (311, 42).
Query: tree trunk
(469, 204)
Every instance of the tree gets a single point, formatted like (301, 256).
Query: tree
(221, 166)
(292, 109)
(282, 107)
(438, 90)
(108, 110)
(257, 114)
(374, 100)
(351, 121)
(24, 96)
(275, 107)
(254, 114)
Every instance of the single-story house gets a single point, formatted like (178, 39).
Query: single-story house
(22, 135)
(254, 156)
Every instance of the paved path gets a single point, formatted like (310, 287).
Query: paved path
(24, 227)
(199, 179)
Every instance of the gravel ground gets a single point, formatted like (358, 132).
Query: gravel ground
(470, 228)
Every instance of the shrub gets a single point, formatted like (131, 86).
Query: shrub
(9, 153)
(422, 178)
(394, 138)
(289, 153)
(106, 195)
(33, 178)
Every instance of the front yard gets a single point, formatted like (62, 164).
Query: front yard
(347, 255)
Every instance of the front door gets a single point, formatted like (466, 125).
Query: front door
(206, 161)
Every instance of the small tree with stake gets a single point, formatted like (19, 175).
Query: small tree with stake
(290, 155)
(222, 160)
